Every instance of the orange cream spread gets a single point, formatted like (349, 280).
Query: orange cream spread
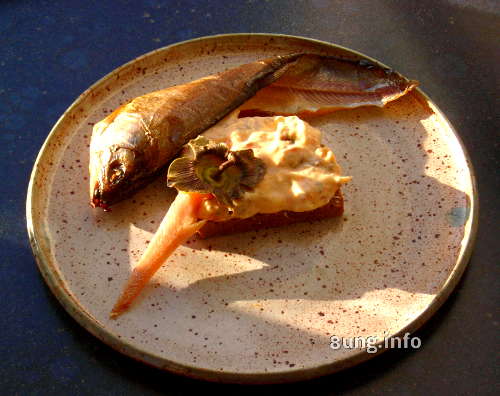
(301, 173)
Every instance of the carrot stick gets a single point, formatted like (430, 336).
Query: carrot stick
(180, 222)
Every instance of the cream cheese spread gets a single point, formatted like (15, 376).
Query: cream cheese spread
(301, 173)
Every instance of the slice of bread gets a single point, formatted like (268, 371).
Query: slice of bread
(334, 208)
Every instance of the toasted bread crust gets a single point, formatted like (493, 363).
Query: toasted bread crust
(334, 208)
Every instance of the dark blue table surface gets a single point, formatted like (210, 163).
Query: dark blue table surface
(51, 51)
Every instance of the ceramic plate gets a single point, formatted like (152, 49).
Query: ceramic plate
(261, 306)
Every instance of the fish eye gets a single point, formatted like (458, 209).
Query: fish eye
(116, 172)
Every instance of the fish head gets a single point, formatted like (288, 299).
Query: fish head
(113, 172)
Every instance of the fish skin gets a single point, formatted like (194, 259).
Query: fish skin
(132, 144)
(321, 84)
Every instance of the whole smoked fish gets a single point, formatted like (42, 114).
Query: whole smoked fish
(139, 138)
(132, 144)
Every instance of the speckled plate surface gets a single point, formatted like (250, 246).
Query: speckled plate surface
(261, 306)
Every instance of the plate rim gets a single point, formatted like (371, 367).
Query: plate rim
(54, 281)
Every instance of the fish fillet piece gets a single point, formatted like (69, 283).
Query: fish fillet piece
(319, 84)
(178, 225)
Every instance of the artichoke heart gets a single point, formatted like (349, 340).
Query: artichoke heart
(208, 167)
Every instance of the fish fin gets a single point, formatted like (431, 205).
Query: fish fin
(289, 101)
